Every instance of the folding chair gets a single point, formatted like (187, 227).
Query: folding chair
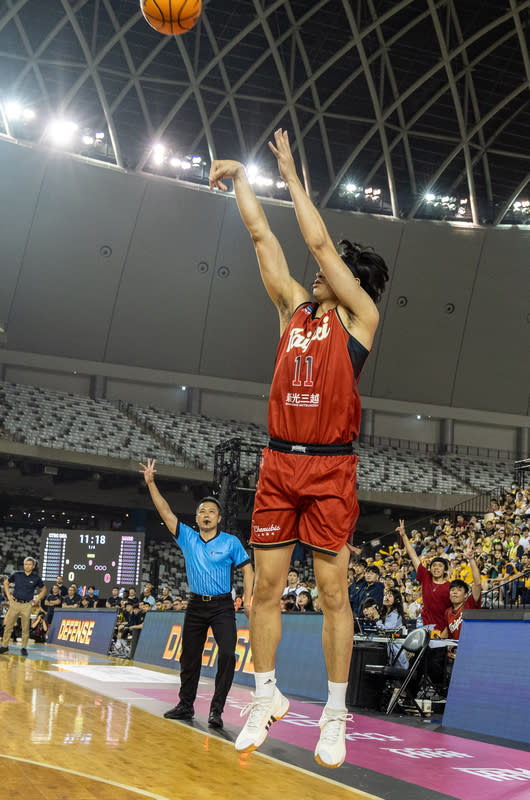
(416, 643)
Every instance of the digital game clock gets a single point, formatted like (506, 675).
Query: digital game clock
(92, 558)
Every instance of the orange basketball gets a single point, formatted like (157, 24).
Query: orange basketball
(171, 17)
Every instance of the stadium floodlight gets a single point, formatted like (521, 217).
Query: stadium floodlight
(196, 160)
(13, 110)
(525, 203)
(462, 211)
(351, 187)
(159, 154)
(185, 165)
(280, 184)
(430, 198)
(99, 135)
(61, 131)
(252, 172)
(28, 114)
(368, 191)
(377, 192)
(174, 162)
(87, 139)
(517, 205)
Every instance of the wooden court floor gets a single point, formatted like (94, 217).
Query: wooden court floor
(63, 740)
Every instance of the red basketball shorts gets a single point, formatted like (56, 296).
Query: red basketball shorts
(311, 499)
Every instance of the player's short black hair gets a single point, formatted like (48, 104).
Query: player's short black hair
(459, 584)
(367, 265)
(210, 499)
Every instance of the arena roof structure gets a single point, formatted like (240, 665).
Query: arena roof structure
(412, 109)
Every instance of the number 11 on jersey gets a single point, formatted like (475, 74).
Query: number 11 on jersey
(308, 371)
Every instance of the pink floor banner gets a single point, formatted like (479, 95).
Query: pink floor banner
(462, 768)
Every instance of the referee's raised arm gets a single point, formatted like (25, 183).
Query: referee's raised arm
(162, 506)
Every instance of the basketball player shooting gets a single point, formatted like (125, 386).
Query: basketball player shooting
(306, 490)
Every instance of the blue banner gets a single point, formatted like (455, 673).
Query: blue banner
(84, 629)
(160, 643)
(489, 691)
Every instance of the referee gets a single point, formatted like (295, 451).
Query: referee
(21, 600)
(209, 556)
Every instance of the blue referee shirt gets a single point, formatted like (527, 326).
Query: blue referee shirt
(209, 564)
(25, 585)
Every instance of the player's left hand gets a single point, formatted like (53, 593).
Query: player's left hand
(282, 151)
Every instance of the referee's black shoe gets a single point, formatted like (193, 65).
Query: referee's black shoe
(180, 712)
(215, 720)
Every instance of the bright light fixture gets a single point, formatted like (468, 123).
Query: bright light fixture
(430, 198)
(159, 154)
(61, 131)
(87, 139)
(252, 172)
(13, 110)
(174, 162)
(351, 187)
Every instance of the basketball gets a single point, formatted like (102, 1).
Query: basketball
(171, 17)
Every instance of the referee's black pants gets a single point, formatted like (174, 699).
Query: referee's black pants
(201, 615)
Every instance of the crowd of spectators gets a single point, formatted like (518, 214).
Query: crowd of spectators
(387, 588)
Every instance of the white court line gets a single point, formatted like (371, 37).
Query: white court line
(141, 792)
(319, 777)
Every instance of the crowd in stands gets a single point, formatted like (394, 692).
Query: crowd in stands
(387, 588)
(487, 556)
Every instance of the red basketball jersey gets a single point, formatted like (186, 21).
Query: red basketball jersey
(314, 396)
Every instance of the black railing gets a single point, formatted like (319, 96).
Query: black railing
(509, 594)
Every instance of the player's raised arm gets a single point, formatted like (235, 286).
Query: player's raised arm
(345, 285)
(162, 506)
(284, 291)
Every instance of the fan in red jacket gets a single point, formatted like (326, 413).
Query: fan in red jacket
(462, 598)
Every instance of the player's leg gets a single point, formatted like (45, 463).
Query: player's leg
(9, 623)
(337, 642)
(271, 568)
(268, 704)
(194, 633)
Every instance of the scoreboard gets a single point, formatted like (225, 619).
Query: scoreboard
(92, 558)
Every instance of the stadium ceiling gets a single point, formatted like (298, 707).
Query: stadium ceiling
(424, 103)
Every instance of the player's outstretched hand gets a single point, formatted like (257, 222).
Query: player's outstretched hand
(224, 169)
(148, 470)
(282, 150)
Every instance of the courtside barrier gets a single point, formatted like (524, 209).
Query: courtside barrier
(86, 629)
(300, 667)
(489, 691)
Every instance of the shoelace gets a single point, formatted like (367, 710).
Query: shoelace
(255, 711)
(332, 727)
